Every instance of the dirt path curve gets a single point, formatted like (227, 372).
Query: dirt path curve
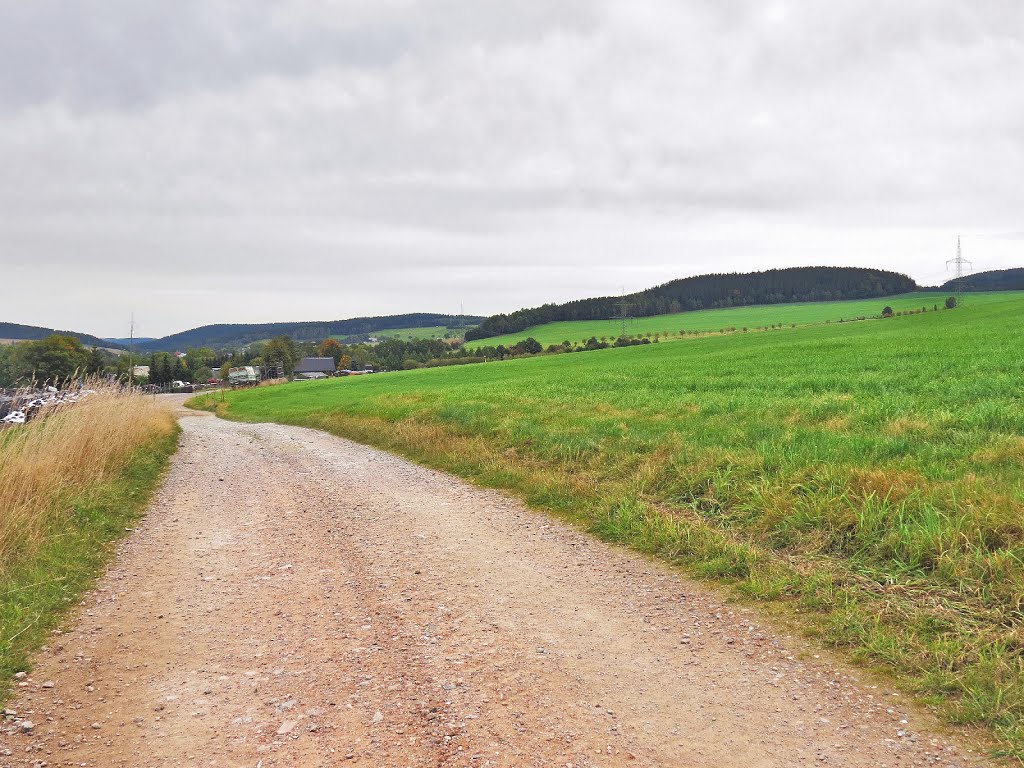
(294, 599)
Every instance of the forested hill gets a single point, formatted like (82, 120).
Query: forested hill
(33, 332)
(994, 280)
(234, 335)
(776, 286)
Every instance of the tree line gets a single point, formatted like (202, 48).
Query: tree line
(777, 286)
(50, 361)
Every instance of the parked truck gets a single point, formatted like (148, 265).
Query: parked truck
(244, 376)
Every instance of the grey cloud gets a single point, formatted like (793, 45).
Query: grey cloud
(123, 54)
(518, 152)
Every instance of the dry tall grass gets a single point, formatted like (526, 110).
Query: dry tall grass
(61, 453)
(272, 382)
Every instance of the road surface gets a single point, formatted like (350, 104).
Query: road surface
(294, 599)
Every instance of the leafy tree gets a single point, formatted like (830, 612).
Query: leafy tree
(165, 364)
(179, 371)
(951, 302)
(362, 355)
(97, 363)
(197, 358)
(7, 374)
(54, 359)
(331, 348)
(887, 311)
(531, 346)
(281, 351)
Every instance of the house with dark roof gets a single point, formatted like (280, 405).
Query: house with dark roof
(315, 368)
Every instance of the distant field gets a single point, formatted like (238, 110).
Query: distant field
(868, 478)
(405, 334)
(717, 319)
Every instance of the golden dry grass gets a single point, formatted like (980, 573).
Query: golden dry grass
(272, 382)
(49, 460)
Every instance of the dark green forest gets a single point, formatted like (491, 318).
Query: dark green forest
(21, 332)
(776, 286)
(993, 280)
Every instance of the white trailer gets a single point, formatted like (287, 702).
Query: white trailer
(244, 376)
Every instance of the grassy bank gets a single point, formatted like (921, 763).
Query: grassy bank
(867, 478)
(69, 486)
(715, 320)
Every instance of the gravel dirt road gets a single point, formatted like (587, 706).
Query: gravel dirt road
(294, 599)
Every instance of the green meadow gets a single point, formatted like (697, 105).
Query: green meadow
(405, 334)
(716, 320)
(864, 479)
(408, 334)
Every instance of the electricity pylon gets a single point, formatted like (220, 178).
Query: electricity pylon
(958, 263)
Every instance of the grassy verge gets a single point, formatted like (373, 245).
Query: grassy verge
(866, 478)
(72, 484)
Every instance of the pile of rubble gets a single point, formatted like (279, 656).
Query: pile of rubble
(25, 405)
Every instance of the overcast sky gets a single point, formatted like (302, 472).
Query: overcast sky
(198, 161)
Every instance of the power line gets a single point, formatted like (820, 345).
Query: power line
(623, 305)
(958, 263)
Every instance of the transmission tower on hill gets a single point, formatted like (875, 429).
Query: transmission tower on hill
(958, 265)
(623, 307)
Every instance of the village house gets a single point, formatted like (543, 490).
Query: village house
(315, 368)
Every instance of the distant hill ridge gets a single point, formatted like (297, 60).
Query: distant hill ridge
(238, 334)
(775, 286)
(993, 280)
(35, 332)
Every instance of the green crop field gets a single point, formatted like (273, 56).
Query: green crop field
(864, 479)
(406, 334)
(735, 317)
